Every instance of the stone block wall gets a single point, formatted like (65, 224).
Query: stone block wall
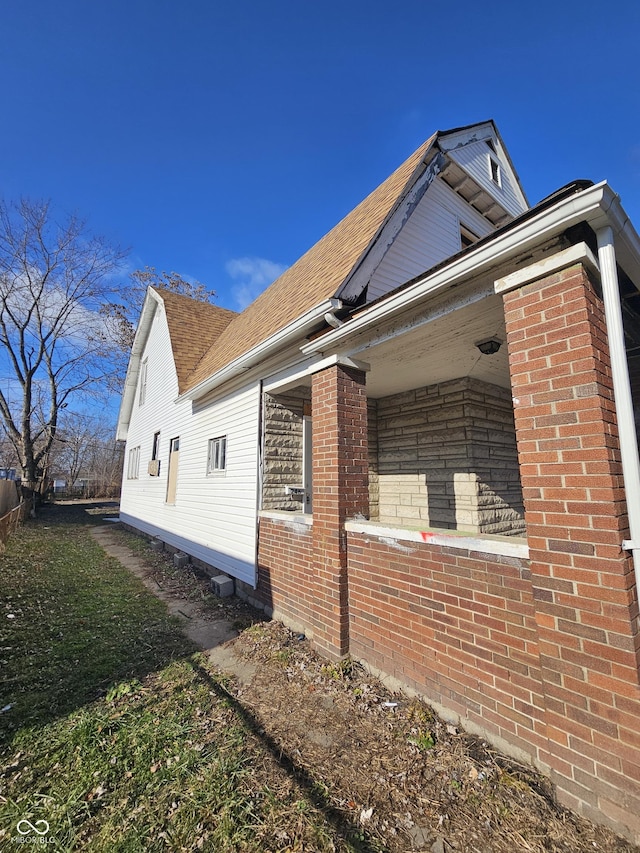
(374, 480)
(283, 462)
(447, 458)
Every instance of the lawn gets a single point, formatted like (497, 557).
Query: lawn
(115, 731)
(116, 734)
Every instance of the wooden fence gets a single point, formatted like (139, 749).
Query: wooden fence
(13, 511)
(9, 498)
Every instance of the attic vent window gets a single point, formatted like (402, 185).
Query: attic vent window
(494, 168)
(143, 383)
(467, 237)
(491, 145)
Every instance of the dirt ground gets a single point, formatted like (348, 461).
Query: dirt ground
(383, 761)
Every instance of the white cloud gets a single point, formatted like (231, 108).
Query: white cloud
(251, 277)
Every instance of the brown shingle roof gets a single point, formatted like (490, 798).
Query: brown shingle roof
(317, 276)
(193, 329)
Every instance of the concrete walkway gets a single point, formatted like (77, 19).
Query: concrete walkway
(213, 636)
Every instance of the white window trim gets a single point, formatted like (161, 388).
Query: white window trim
(143, 382)
(216, 449)
(467, 233)
(494, 163)
(133, 466)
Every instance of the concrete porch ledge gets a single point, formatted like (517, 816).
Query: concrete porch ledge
(504, 546)
(290, 517)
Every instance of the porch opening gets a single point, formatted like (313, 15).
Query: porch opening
(441, 456)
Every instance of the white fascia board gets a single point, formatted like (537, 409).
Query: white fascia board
(375, 253)
(627, 244)
(449, 141)
(519, 186)
(151, 302)
(485, 130)
(263, 350)
(590, 204)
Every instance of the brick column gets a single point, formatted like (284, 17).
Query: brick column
(340, 491)
(575, 512)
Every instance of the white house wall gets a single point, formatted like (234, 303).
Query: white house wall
(474, 159)
(431, 235)
(214, 517)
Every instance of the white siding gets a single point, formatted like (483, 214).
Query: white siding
(474, 159)
(214, 517)
(431, 235)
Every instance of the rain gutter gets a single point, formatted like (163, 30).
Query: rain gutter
(549, 222)
(289, 334)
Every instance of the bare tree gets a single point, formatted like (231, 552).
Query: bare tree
(55, 340)
(84, 450)
(106, 462)
(72, 446)
(8, 458)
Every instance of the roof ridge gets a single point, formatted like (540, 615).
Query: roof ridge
(173, 294)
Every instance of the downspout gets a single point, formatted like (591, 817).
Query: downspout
(622, 392)
(260, 477)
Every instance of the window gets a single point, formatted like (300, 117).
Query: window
(154, 463)
(172, 476)
(143, 383)
(217, 455)
(467, 237)
(494, 171)
(133, 467)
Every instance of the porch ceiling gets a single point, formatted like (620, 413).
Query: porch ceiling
(442, 349)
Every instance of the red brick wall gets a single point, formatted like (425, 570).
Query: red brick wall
(575, 512)
(302, 573)
(455, 625)
(285, 570)
(340, 491)
(543, 655)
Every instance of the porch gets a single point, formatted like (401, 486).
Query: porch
(461, 530)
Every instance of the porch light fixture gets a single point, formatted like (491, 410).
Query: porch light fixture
(490, 346)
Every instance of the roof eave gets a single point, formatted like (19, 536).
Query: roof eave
(257, 354)
(597, 205)
(151, 302)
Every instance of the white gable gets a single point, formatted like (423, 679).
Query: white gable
(469, 185)
(431, 235)
(475, 151)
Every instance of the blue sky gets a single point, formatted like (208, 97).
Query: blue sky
(222, 140)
